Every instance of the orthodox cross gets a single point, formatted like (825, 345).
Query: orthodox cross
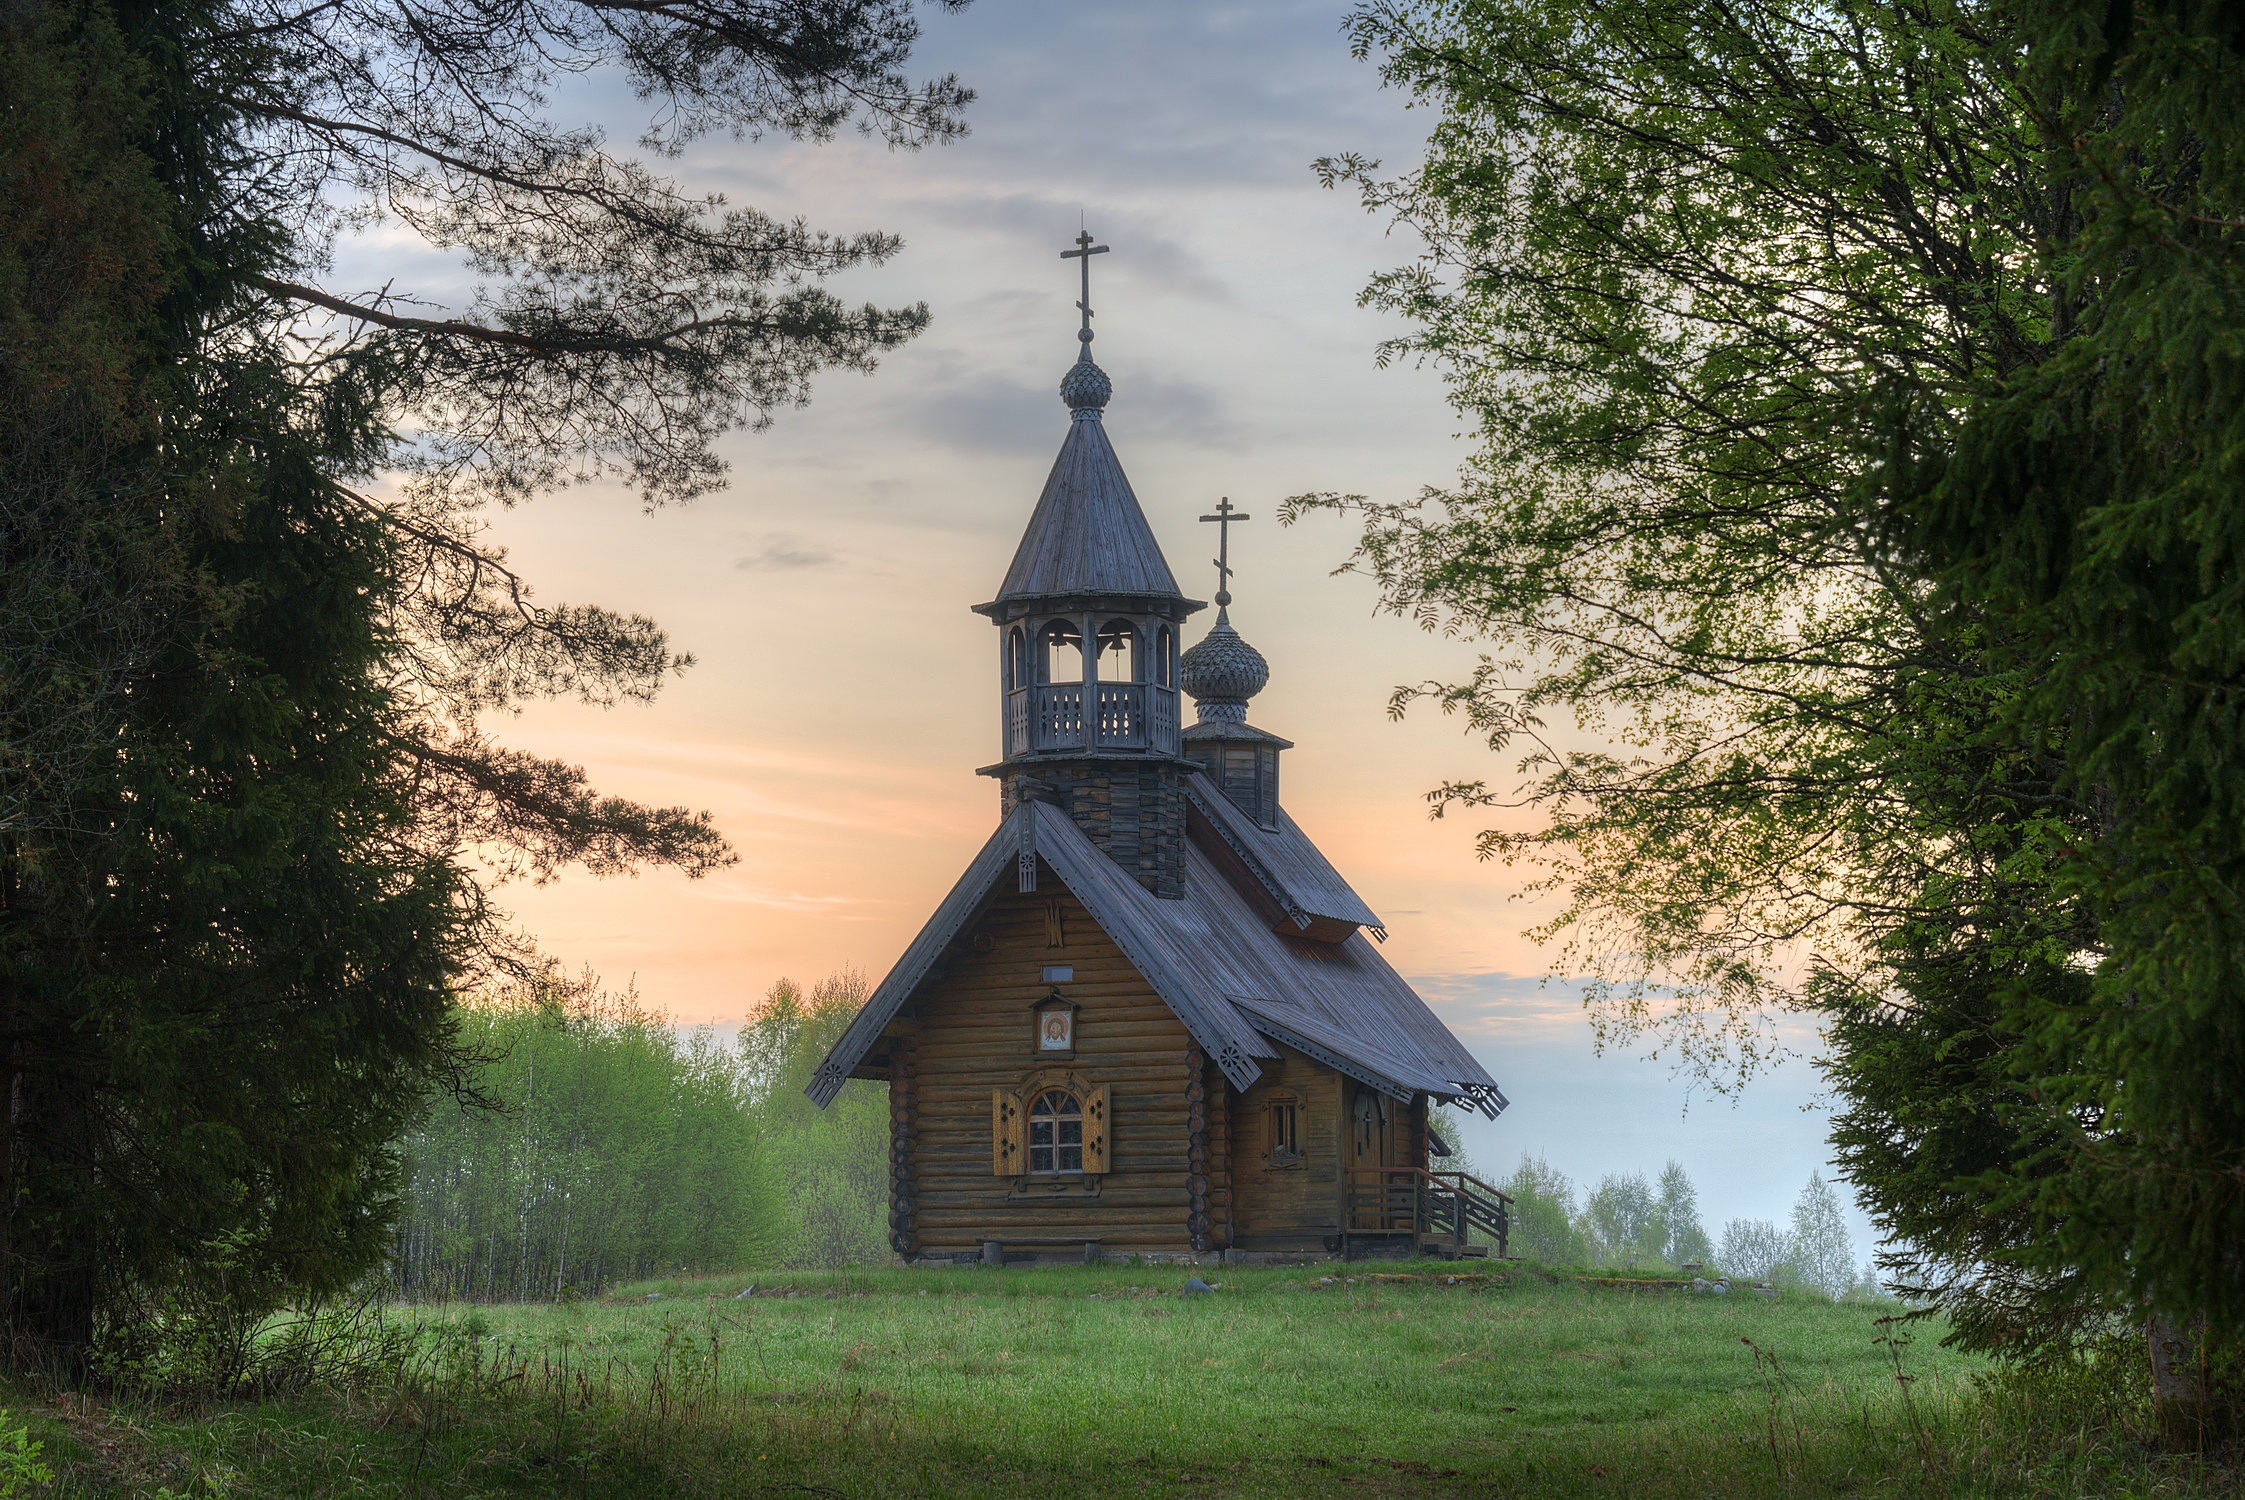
(1223, 518)
(1084, 251)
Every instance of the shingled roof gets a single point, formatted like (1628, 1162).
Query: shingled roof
(1237, 986)
(1087, 534)
(1297, 877)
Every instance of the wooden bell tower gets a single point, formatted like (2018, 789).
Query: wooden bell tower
(1088, 621)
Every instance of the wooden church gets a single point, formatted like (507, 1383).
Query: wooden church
(1150, 1018)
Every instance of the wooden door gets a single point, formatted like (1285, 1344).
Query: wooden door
(1380, 1201)
(1372, 1129)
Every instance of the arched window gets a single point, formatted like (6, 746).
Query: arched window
(1118, 651)
(1056, 1132)
(1063, 652)
(1017, 659)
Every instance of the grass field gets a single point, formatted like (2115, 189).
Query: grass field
(1093, 1381)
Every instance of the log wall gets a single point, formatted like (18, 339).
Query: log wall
(973, 1033)
(1288, 1207)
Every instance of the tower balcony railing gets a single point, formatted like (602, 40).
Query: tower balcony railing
(1123, 716)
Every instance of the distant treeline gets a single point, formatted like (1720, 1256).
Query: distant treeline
(603, 1143)
(1627, 1221)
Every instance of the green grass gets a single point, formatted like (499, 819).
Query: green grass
(1074, 1381)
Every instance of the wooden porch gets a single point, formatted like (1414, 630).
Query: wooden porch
(1437, 1212)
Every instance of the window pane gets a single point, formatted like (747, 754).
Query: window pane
(1056, 1132)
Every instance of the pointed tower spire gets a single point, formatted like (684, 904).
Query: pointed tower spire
(1087, 534)
(1088, 618)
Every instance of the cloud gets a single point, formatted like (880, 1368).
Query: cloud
(1489, 1006)
(1186, 91)
(981, 411)
(1143, 255)
(780, 553)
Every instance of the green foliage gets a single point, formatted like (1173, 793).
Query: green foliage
(248, 819)
(1683, 1237)
(1625, 1221)
(979, 1383)
(831, 1166)
(20, 1466)
(1620, 1221)
(1755, 1249)
(1668, 244)
(605, 1143)
(1857, 391)
(1543, 1215)
(1821, 1254)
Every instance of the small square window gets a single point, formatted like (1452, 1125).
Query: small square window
(1285, 1124)
(1059, 973)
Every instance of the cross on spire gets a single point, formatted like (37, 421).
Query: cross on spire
(1225, 515)
(1084, 251)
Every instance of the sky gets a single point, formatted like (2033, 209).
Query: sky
(843, 694)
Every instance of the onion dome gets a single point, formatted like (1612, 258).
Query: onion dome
(1086, 387)
(1222, 672)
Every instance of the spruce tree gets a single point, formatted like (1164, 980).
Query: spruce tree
(243, 783)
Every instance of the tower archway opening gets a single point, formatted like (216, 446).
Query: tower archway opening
(1118, 652)
(1063, 653)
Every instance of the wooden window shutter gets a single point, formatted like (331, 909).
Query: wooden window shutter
(1008, 1157)
(1095, 1129)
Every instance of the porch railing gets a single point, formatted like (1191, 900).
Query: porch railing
(1440, 1210)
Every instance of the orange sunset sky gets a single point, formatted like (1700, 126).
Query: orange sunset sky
(844, 694)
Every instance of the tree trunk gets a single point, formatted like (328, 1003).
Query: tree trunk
(47, 1224)
(2197, 1386)
(2178, 1383)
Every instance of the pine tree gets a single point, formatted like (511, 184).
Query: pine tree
(241, 769)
